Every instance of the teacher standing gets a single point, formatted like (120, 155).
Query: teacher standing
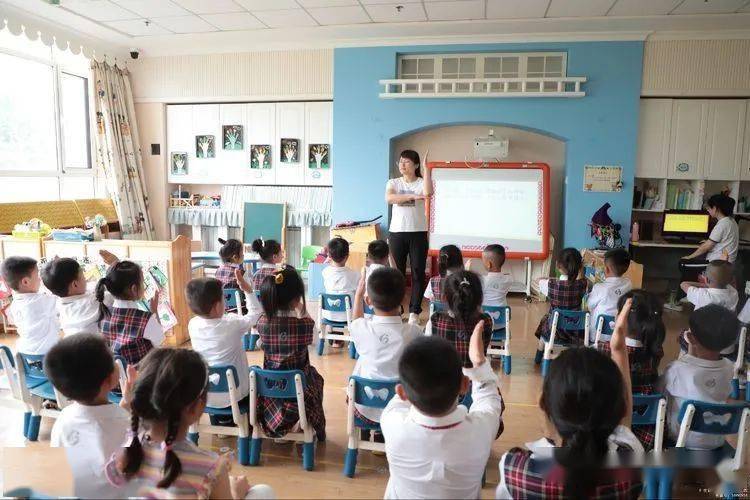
(408, 230)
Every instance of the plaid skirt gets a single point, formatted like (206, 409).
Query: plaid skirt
(278, 417)
(544, 330)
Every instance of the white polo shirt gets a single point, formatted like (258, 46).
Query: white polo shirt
(35, 317)
(90, 436)
(442, 457)
(339, 281)
(495, 288)
(368, 271)
(80, 313)
(410, 216)
(725, 297)
(380, 341)
(726, 235)
(603, 299)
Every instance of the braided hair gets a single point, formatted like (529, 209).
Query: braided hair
(449, 259)
(119, 281)
(463, 293)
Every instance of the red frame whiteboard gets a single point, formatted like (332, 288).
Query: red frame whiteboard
(543, 213)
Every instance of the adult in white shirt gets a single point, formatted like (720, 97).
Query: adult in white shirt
(408, 236)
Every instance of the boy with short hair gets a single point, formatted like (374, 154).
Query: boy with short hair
(91, 428)
(377, 257)
(380, 340)
(496, 284)
(715, 290)
(701, 374)
(33, 313)
(604, 296)
(435, 447)
(337, 278)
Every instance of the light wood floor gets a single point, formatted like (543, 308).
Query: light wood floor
(44, 468)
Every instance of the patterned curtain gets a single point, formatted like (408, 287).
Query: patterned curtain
(118, 152)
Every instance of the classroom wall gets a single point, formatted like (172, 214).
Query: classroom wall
(599, 129)
(151, 130)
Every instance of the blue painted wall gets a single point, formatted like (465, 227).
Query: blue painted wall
(599, 129)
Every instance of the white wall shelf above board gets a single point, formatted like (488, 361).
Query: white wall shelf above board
(408, 88)
(242, 156)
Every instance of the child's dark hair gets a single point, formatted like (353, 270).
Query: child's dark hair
(583, 396)
(386, 288)
(714, 327)
(410, 154)
(202, 294)
(78, 365)
(266, 249)
(119, 280)
(571, 261)
(279, 290)
(724, 203)
(450, 258)
(496, 253)
(430, 373)
(462, 292)
(338, 249)
(59, 274)
(645, 320)
(618, 260)
(230, 249)
(169, 381)
(378, 249)
(15, 269)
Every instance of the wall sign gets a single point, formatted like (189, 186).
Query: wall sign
(602, 178)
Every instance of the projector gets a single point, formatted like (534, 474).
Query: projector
(490, 148)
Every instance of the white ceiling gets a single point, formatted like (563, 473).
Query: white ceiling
(140, 18)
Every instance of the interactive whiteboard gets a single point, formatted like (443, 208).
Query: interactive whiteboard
(476, 204)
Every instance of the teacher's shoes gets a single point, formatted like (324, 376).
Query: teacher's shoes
(413, 319)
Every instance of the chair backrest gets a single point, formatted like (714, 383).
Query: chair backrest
(500, 316)
(373, 393)
(646, 408)
(33, 366)
(276, 384)
(218, 380)
(713, 418)
(335, 302)
(231, 297)
(437, 306)
(5, 350)
(368, 310)
(607, 323)
(569, 320)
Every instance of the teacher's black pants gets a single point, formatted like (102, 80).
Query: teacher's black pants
(414, 245)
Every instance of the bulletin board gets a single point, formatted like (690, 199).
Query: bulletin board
(264, 220)
(476, 204)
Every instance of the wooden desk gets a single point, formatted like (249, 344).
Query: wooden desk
(662, 244)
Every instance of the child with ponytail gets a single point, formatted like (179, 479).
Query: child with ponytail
(169, 395)
(232, 253)
(130, 329)
(450, 260)
(286, 330)
(271, 255)
(588, 402)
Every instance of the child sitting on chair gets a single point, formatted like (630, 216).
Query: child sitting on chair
(91, 429)
(604, 296)
(78, 307)
(33, 313)
(435, 447)
(716, 289)
(377, 257)
(701, 373)
(450, 260)
(232, 253)
(339, 279)
(286, 331)
(564, 293)
(381, 340)
(271, 255)
(496, 284)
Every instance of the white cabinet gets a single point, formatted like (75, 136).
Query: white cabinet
(230, 143)
(289, 155)
(180, 143)
(724, 139)
(318, 134)
(261, 143)
(745, 170)
(654, 127)
(687, 139)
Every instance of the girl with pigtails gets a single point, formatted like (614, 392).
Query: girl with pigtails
(450, 259)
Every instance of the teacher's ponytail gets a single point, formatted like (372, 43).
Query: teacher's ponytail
(410, 154)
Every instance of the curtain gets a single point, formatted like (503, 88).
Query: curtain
(118, 152)
(305, 205)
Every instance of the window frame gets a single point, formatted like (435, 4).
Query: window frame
(479, 66)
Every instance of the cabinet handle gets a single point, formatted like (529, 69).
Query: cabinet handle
(683, 167)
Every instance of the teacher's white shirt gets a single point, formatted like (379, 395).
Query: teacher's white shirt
(408, 217)
(726, 235)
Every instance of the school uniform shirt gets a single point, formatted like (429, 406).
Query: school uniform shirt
(35, 317)
(380, 342)
(495, 288)
(725, 297)
(726, 235)
(90, 436)
(339, 281)
(408, 217)
(442, 457)
(219, 341)
(80, 313)
(705, 380)
(368, 272)
(225, 273)
(744, 315)
(265, 270)
(129, 318)
(603, 299)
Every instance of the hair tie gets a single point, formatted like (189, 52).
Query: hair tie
(165, 446)
(279, 278)
(465, 282)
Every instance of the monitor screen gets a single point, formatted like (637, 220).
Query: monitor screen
(685, 223)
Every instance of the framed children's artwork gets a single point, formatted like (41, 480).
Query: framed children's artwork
(260, 156)
(289, 150)
(179, 163)
(205, 146)
(232, 137)
(318, 156)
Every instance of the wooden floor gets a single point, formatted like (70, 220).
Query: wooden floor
(45, 469)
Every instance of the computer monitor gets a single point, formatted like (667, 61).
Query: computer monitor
(685, 224)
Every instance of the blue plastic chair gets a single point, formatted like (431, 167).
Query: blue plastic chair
(285, 385)
(35, 389)
(437, 306)
(604, 329)
(564, 319)
(27, 493)
(739, 366)
(223, 379)
(335, 330)
(121, 365)
(367, 310)
(651, 409)
(372, 394)
(500, 334)
(232, 299)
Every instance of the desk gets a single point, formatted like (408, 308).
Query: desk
(662, 244)
(213, 258)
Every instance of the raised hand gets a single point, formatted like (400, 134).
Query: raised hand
(153, 304)
(617, 341)
(131, 375)
(239, 486)
(108, 257)
(476, 345)
(241, 282)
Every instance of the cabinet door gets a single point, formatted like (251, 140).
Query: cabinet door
(745, 173)
(688, 139)
(231, 150)
(724, 140)
(206, 142)
(318, 134)
(261, 143)
(180, 143)
(653, 138)
(290, 153)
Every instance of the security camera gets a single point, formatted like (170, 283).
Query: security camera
(134, 53)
